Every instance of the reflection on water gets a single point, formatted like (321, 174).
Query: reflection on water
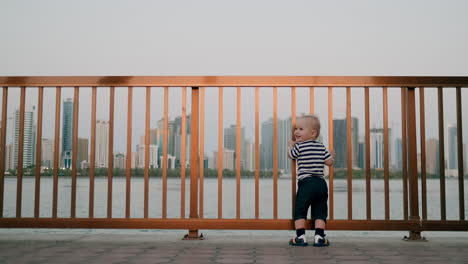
(211, 198)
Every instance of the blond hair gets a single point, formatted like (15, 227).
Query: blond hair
(315, 122)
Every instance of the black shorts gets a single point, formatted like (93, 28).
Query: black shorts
(313, 192)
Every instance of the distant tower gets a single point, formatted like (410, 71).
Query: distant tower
(452, 147)
(29, 140)
(340, 140)
(67, 132)
(102, 143)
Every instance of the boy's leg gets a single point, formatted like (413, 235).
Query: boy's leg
(320, 227)
(319, 223)
(300, 223)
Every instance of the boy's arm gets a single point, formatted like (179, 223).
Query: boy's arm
(329, 157)
(293, 150)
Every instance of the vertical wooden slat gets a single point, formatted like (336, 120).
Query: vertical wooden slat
(128, 165)
(441, 153)
(2, 146)
(461, 158)
(37, 190)
(330, 140)
(220, 152)
(404, 148)
(412, 154)
(19, 189)
(76, 98)
(275, 152)
(386, 154)
(238, 152)
(350, 153)
(93, 152)
(422, 129)
(202, 149)
(293, 162)
(183, 152)
(368, 170)
(194, 157)
(164, 163)
(146, 169)
(58, 98)
(311, 100)
(257, 151)
(110, 155)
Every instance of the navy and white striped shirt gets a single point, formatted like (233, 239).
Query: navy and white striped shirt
(310, 157)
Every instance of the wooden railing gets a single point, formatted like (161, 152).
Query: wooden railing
(413, 220)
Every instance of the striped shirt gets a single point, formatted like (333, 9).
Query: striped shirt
(310, 157)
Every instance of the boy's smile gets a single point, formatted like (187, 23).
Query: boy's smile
(304, 130)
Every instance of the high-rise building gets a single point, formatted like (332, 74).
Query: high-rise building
(102, 143)
(134, 160)
(340, 142)
(9, 158)
(119, 161)
(432, 156)
(398, 159)
(376, 148)
(228, 159)
(230, 142)
(82, 151)
(266, 148)
(153, 156)
(284, 135)
(29, 140)
(47, 153)
(362, 155)
(67, 132)
(249, 156)
(452, 147)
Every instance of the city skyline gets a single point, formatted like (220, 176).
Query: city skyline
(229, 145)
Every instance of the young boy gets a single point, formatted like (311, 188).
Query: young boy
(310, 156)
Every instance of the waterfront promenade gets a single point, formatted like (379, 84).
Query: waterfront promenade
(163, 246)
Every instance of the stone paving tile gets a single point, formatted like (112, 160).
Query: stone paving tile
(170, 249)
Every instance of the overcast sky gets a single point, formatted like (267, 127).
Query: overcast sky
(240, 37)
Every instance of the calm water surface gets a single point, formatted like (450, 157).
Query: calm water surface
(211, 198)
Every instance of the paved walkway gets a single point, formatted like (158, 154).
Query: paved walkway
(18, 246)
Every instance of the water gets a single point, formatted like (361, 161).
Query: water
(211, 198)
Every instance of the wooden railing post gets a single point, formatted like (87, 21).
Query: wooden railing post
(415, 232)
(194, 163)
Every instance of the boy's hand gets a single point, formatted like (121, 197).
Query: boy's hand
(332, 153)
(291, 143)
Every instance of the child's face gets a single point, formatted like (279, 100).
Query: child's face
(305, 130)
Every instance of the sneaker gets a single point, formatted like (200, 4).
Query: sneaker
(321, 241)
(298, 241)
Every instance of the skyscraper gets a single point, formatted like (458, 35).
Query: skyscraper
(67, 132)
(119, 161)
(376, 148)
(362, 155)
(340, 140)
(452, 147)
(230, 142)
(398, 160)
(432, 156)
(29, 140)
(153, 156)
(250, 156)
(82, 151)
(228, 159)
(102, 143)
(266, 148)
(47, 155)
(9, 157)
(284, 135)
